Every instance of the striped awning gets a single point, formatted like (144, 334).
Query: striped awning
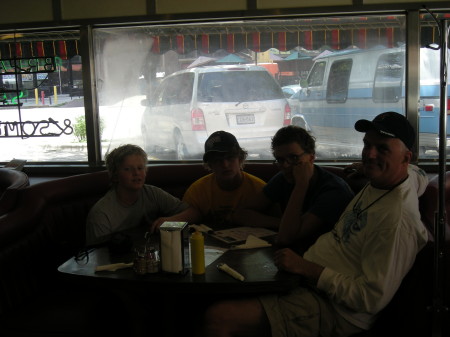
(285, 35)
(313, 34)
(64, 49)
(284, 41)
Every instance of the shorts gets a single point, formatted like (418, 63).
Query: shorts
(304, 313)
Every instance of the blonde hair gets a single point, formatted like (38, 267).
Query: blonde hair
(116, 157)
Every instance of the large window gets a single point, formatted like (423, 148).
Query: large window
(226, 89)
(166, 88)
(41, 97)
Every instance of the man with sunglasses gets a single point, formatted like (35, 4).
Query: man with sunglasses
(310, 198)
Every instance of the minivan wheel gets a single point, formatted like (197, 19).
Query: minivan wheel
(180, 148)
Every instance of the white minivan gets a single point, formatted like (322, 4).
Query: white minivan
(191, 104)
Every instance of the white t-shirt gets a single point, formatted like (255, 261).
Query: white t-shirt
(109, 216)
(366, 256)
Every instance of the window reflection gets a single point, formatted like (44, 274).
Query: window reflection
(186, 104)
(41, 97)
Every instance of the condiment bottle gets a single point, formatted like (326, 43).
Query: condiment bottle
(197, 253)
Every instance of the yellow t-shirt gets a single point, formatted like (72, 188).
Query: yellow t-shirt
(217, 205)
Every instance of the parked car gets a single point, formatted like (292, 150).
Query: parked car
(348, 85)
(290, 90)
(191, 104)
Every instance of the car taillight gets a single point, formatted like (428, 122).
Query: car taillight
(287, 115)
(197, 120)
(429, 107)
(448, 106)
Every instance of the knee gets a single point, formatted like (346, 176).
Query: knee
(215, 319)
(215, 313)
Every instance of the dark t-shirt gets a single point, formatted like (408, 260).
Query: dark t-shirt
(327, 200)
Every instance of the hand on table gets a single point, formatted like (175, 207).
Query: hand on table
(286, 259)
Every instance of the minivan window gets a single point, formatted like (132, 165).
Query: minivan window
(316, 76)
(387, 85)
(237, 86)
(337, 87)
(175, 90)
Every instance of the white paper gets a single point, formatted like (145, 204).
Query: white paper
(252, 242)
(212, 254)
(240, 234)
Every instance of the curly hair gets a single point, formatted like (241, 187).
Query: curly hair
(115, 158)
(292, 133)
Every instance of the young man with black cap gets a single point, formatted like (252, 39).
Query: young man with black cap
(353, 271)
(217, 195)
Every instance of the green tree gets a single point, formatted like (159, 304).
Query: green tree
(79, 128)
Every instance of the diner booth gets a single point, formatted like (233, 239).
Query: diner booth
(78, 79)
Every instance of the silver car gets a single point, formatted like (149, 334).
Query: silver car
(190, 104)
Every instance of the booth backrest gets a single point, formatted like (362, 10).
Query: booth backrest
(429, 203)
(10, 182)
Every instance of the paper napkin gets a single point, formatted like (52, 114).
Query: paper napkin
(113, 267)
(202, 228)
(252, 242)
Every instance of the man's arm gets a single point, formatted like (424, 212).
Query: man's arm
(98, 228)
(287, 260)
(190, 214)
(294, 224)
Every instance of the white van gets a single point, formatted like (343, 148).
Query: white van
(190, 104)
(345, 86)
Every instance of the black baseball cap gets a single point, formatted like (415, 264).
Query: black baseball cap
(389, 124)
(220, 141)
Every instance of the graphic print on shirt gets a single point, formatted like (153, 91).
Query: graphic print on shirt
(353, 222)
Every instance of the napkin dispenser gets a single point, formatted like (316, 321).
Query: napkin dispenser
(174, 246)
